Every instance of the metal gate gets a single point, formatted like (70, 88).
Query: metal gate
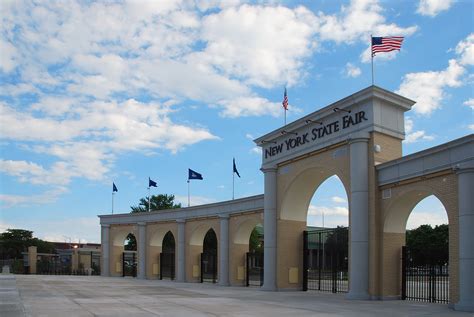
(167, 265)
(325, 260)
(422, 279)
(254, 271)
(208, 267)
(129, 264)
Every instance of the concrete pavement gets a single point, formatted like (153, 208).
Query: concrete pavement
(43, 295)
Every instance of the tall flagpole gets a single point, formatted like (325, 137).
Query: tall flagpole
(285, 114)
(148, 198)
(113, 202)
(189, 199)
(372, 58)
(233, 180)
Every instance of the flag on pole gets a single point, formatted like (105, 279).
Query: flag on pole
(235, 169)
(114, 188)
(151, 183)
(285, 100)
(386, 44)
(193, 175)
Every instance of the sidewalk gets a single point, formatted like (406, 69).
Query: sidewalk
(98, 296)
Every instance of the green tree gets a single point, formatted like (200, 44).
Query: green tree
(256, 240)
(428, 245)
(15, 241)
(130, 243)
(157, 202)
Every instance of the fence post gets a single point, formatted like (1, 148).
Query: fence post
(247, 268)
(404, 273)
(202, 268)
(305, 260)
(161, 265)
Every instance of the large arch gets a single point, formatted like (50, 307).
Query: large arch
(298, 194)
(297, 183)
(196, 232)
(118, 236)
(155, 235)
(396, 211)
(240, 231)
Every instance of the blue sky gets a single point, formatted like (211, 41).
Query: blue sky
(119, 91)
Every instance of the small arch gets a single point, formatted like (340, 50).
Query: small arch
(156, 238)
(402, 206)
(120, 236)
(210, 242)
(197, 237)
(244, 231)
(298, 195)
(168, 243)
(130, 242)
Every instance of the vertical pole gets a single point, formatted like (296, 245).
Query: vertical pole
(305, 260)
(113, 203)
(189, 199)
(404, 272)
(148, 199)
(372, 59)
(285, 115)
(233, 180)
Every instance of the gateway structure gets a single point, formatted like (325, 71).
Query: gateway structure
(359, 139)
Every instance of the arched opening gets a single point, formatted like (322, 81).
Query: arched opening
(209, 257)
(326, 242)
(246, 240)
(167, 257)
(129, 257)
(254, 257)
(425, 257)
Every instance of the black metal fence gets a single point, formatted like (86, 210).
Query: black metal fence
(422, 280)
(325, 260)
(167, 265)
(16, 266)
(129, 264)
(254, 271)
(208, 268)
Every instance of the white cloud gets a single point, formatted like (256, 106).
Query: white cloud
(249, 106)
(47, 197)
(327, 211)
(7, 57)
(433, 7)
(418, 218)
(428, 88)
(251, 43)
(195, 200)
(356, 21)
(465, 50)
(469, 103)
(256, 150)
(352, 70)
(414, 136)
(338, 200)
(471, 127)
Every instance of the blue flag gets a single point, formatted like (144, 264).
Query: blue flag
(151, 183)
(114, 188)
(193, 175)
(235, 169)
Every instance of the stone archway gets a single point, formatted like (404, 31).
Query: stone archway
(396, 211)
(118, 236)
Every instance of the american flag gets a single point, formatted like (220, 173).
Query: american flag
(386, 44)
(285, 100)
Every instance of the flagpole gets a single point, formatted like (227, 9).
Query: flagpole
(189, 199)
(233, 181)
(148, 198)
(372, 58)
(113, 202)
(285, 115)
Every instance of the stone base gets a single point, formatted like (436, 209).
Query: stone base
(468, 307)
(358, 296)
